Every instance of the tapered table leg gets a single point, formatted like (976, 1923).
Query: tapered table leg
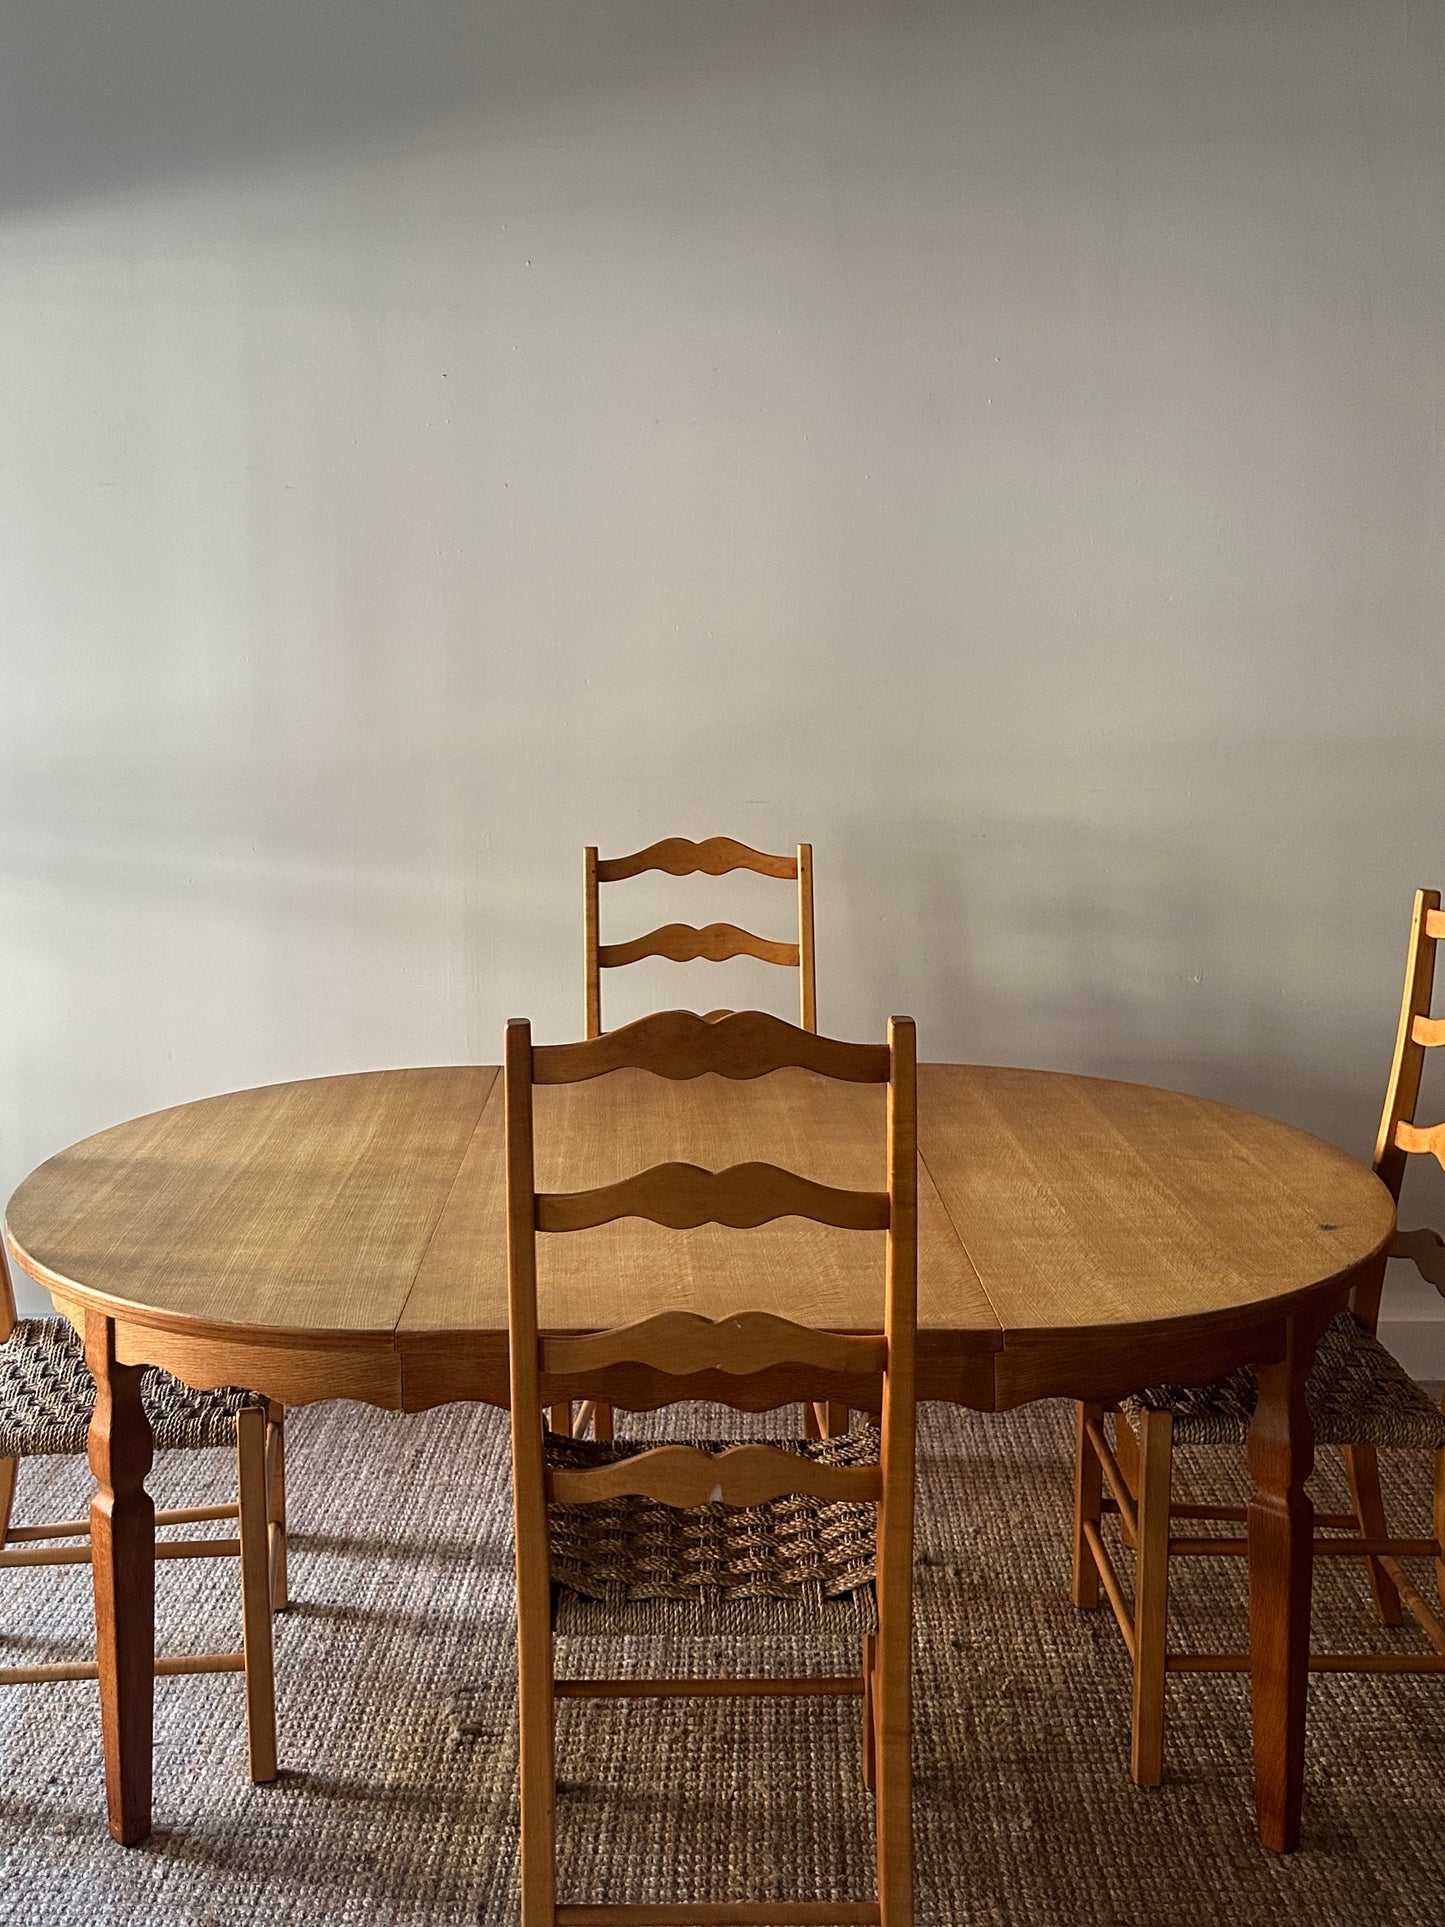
(123, 1553)
(1281, 1561)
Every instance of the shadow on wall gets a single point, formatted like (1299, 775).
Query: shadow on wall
(105, 99)
(1150, 956)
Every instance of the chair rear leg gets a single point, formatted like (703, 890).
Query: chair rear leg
(1126, 1451)
(870, 1731)
(536, 1712)
(1362, 1468)
(1088, 1504)
(276, 1503)
(893, 1801)
(1151, 1597)
(9, 1471)
(254, 1533)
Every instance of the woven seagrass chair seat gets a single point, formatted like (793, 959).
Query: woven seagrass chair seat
(766, 1567)
(1358, 1394)
(47, 1398)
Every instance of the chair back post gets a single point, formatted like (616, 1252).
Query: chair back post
(807, 967)
(683, 943)
(529, 1493)
(893, 1688)
(593, 974)
(1402, 1093)
(8, 1313)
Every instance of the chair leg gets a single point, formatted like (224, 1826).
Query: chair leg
(870, 1731)
(812, 1425)
(559, 1420)
(1088, 1504)
(893, 1799)
(1126, 1451)
(254, 1533)
(538, 1770)
(1362, 1468)
(604, 1424)
(9, 1471)
(1151, 1597)
(276, 1504)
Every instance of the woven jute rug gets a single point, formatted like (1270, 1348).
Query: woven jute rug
(397, 1714)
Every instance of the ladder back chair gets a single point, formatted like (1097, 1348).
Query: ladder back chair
(683, 943)
(1359, 1397)
(600, 1525)
(47, 1400)
(715, 942)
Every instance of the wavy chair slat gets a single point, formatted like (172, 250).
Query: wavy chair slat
(646, 1388)
(684, 1196)
(1435, 923)
(1419, 1137)
(680, 1475)
(682, 1045)
(1428, 1031)
(715, 856)
(687, 943)
(682, 1342)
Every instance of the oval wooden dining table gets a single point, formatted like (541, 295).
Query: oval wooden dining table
(344, 1237)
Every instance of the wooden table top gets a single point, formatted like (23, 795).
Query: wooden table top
(345, 1236)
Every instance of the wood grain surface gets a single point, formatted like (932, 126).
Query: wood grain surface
(347, 1235)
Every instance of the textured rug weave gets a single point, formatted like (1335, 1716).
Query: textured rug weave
(397, 1716)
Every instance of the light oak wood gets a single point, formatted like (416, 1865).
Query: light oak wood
(1280, 1542)
(1112, 1250)
(89, 1669)
(1111, 1231)
(771, 1913)
(1088, 1507)
(122, 1539)
(259, 1513)
(681, 1045)
(684, 1196)
(685, 943)
(535, 1667)
(1422, 1137)
(1281, 1545)
(293, 1210)
(1086, 1204)
(807, 940)
(681, 1341)
(596, 1132)
(1402, 1090)
(256, 1600)
(1151, 1600)
(734, 1347)
(773, 1686)
(715, 856)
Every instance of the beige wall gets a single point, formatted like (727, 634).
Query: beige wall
(998, 441)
